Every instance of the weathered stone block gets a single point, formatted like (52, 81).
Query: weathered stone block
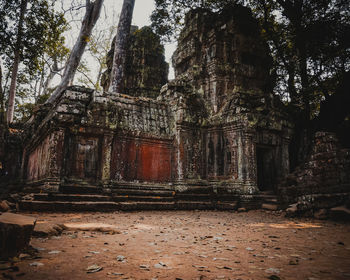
(15, 233)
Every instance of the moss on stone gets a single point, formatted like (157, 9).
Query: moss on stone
(146, 70)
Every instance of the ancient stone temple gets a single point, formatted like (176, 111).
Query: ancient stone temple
(146, 70)
(215, 132)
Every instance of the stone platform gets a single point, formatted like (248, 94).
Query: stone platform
(76, 197)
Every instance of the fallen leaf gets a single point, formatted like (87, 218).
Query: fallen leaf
(36, 264)
(93, 268)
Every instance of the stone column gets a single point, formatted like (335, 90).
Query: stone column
(284, 163)
(179, 154)
(247, 174)
(56, 152)
(106, 156)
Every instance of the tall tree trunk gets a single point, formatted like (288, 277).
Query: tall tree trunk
(16, 60)
(304, 78)
(2, 106)
(92, 14)
(120, 48)
(291, 83)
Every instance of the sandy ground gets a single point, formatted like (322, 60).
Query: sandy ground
(191, 245)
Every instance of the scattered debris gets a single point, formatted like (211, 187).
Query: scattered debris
(144, 266)
(98, 227)
(115, 273)
(54, 252)
(43, 229)
(272, 270)
(273, 277)
(94, 252)
(160, 265)
(36, 264)
(120, 258)
(93, 268)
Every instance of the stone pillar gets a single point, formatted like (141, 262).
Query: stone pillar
(179, 155)
(56, 157)
(246, 150)
(284, 163)
(56, 153)
(106, 157)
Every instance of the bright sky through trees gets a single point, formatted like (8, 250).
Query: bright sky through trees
(110, 16)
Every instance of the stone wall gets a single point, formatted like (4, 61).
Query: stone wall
(323, 181)
(141, 159)
(11, 149)
(96, 137)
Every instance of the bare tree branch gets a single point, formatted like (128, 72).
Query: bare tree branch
(92, 13)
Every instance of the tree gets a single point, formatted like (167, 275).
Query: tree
(309, 44)
(30, 37)
(120, 52)
(2, 105)
(311, 52)
(17, 50)
(98, 48)
(91, 16)
(168, 16)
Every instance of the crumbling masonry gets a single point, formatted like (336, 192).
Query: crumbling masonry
(216, 126)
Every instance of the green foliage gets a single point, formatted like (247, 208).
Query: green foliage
(308, 39)
(168, 16)
(41, 49)
(98, 48)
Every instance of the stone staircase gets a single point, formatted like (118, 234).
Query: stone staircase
(75, 197)
(196, 197)
(71, 198)
(84, 197)
(269, 201)
(132, 197)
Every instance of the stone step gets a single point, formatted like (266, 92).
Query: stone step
(272, 200)
(225, 205)
(340, 213)
(120, 198)
(267, 196)
(80, 189)
(193, 196)
(227, 198)
(140, 192)
(199, 190)
(269, 206)
(139, 186)
(68, 206)
(145, 205)
(70, 197)
(267, 193)
(129, 204)
(195, 205)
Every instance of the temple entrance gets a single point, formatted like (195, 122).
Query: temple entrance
(265, 169)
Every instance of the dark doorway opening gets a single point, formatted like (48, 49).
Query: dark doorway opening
(265, 169)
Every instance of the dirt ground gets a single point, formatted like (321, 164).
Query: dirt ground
(190, 245)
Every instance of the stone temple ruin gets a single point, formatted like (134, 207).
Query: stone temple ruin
(216, 130)
(215, 137)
